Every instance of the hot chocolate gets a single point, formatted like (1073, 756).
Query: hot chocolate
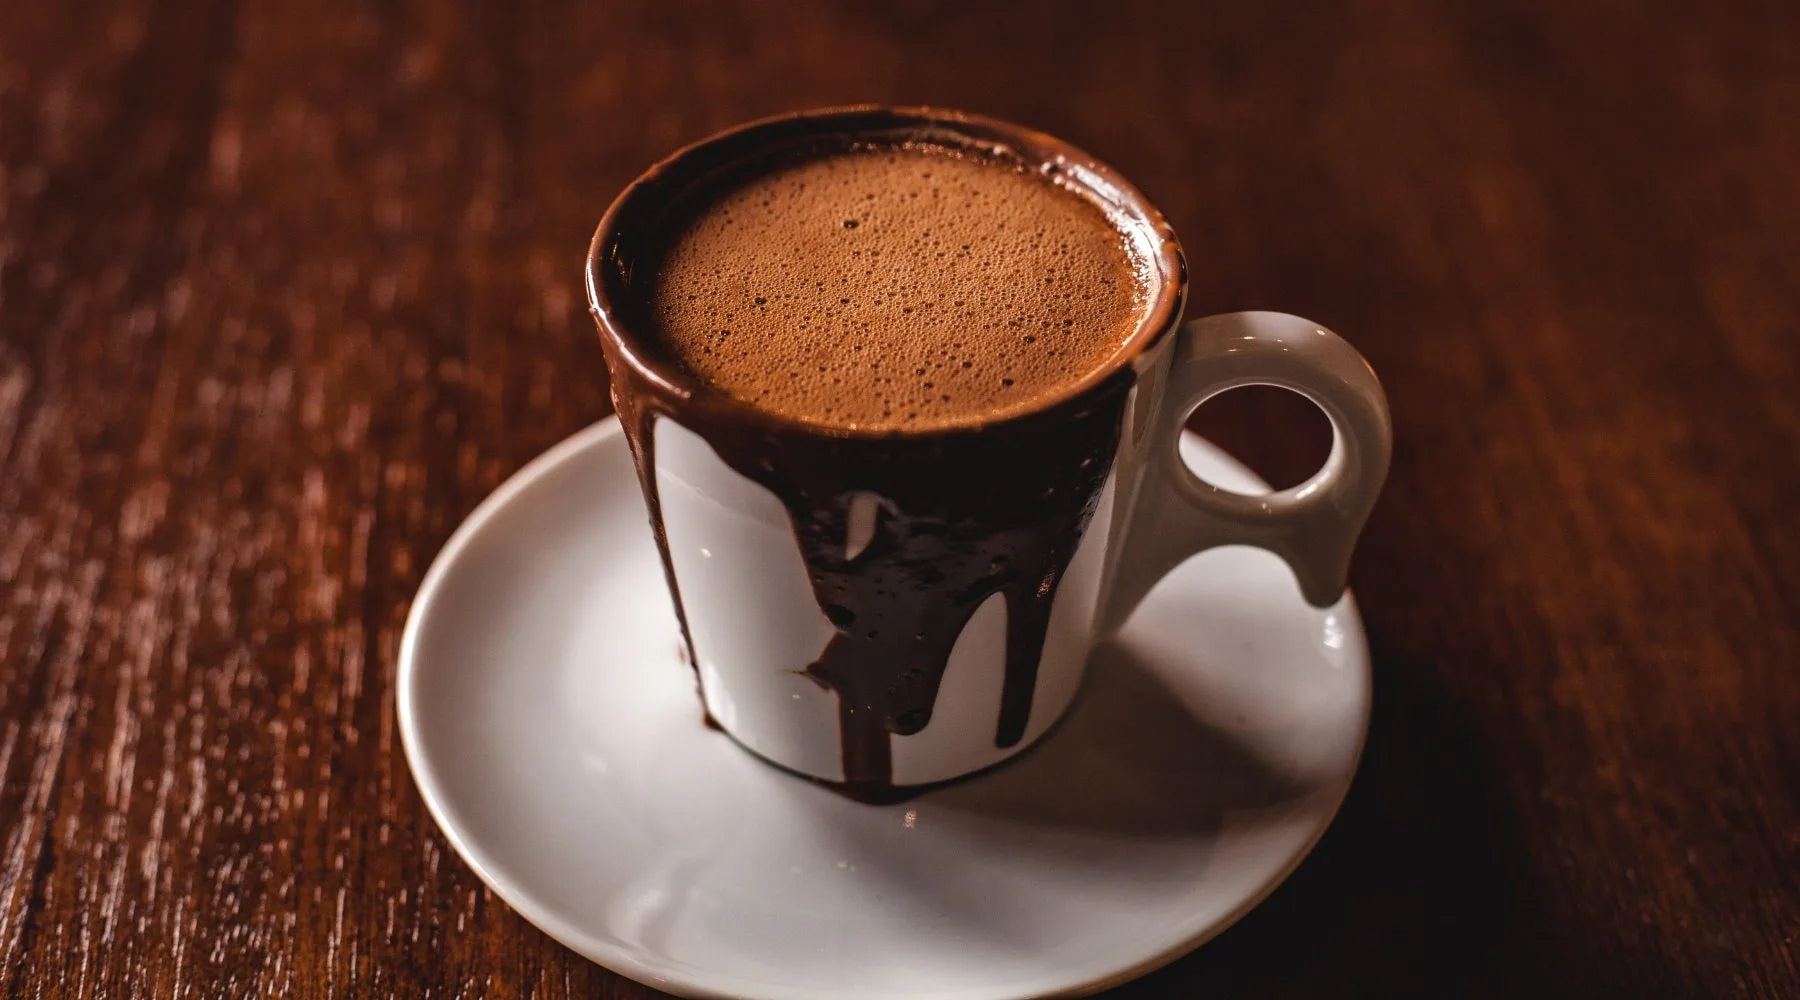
(921, 347)
(905, 391)
(907, 287)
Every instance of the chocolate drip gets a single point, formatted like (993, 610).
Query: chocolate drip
(637, 412)
(960, 516)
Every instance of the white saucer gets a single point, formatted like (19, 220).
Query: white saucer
(557, 739)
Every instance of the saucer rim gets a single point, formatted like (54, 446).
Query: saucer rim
(704, 984)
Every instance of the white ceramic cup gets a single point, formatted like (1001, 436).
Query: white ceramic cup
(731, 541)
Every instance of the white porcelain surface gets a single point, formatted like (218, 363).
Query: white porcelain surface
(556, 738)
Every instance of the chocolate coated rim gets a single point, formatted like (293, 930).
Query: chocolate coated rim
(609, 260)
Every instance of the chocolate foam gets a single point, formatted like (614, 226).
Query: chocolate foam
(897, 287)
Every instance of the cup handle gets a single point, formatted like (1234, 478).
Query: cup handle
(1313, 527)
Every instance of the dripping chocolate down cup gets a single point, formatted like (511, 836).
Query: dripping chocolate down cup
(888, 608)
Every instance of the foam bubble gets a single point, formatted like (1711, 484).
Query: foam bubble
(800, 289)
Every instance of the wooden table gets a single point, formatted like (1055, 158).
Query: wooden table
(286, 288)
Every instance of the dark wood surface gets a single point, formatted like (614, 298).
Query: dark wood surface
(286, 288)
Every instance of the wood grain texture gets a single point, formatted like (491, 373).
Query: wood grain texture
(286, 288)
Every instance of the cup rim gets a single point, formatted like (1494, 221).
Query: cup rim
(608, 265)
